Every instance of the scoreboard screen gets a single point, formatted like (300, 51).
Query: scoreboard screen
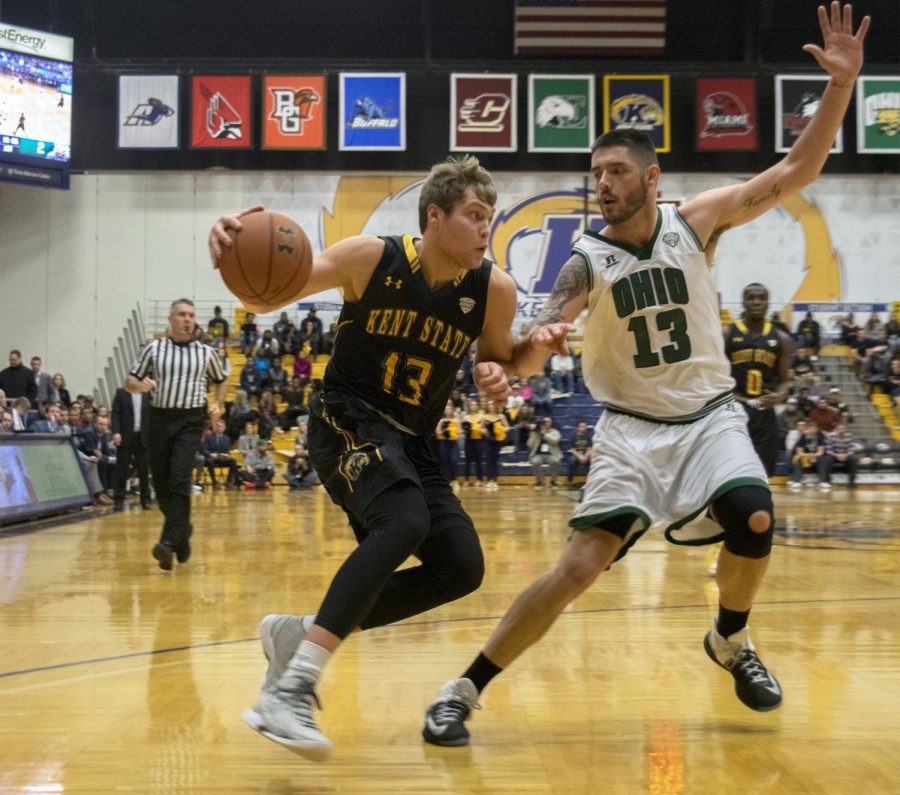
(35, 106)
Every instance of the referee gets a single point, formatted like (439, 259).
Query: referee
(174, 370)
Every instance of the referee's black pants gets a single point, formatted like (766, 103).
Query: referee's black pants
(174, 439)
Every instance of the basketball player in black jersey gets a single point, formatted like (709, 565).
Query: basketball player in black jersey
(412, 308)
(760, 356)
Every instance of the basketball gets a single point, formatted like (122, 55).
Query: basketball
(269, 261)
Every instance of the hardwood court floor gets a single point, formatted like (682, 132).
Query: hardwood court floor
(117, 677)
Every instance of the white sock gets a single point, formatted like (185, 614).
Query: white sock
(307, 663)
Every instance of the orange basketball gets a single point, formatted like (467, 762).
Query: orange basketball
(269, 262)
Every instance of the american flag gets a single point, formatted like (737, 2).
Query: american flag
(621, 27)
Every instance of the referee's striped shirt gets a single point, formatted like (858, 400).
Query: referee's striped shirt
(180, 370)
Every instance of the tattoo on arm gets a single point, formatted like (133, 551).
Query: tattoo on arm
(573, 280)
(754, 201)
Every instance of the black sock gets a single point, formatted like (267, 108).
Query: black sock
(481, 671)
(731, 621)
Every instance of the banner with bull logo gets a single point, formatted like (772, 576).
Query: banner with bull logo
(727, 115)
(560, 113)
(294, 111)
(372, 112)
(878, 115)
(483, 113)
(220, 115)
(796, 102)
(638, 102)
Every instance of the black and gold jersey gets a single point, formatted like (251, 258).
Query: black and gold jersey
(399, 346)
(754, 359)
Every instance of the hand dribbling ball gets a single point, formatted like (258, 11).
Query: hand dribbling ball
(268, 262)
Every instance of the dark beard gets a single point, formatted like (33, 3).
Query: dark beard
(633, 202)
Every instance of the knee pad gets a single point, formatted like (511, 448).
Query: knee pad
(733, 511)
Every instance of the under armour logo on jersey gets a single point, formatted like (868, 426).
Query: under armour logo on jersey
(611, 260)
(670, 239)
(395, 283)
(466, 304)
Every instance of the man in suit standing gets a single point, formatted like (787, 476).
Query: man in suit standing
(44, 391)
(130, 418)
(15, 380)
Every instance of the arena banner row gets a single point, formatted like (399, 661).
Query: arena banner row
(483, 111)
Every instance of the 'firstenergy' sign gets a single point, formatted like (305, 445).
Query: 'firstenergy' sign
(36, 42)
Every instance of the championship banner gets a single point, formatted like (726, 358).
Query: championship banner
(638, 102)
(372, 112)
(878, 115)
(220, 112)
(483, 113)
(727, 115)
(148, 112)
(294, 112)
(796, 102)
(560, 113)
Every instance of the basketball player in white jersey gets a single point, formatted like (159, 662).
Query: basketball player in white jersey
(672, 442)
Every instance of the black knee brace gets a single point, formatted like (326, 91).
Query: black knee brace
(733, 511)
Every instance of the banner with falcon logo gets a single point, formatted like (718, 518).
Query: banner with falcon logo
(294, 112)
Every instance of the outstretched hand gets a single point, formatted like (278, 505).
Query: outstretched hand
(842, 57)
(218, 235)
(552, 337)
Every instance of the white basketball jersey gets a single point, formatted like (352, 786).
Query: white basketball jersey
(653, 343)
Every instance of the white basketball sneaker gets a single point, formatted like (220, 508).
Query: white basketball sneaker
(281, 636)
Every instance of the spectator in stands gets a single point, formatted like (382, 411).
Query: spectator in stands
(6, 421)
(259, 467)
(249, 333)
(302, 365)
(877, 364)
(294, 396)
(218, 328)
(541, 395)
(840, 453)
(22, 414)
(283, 329)
(874, 328)
(249, 439)
(808, 455)
(786, 420)
(808, 335)
(447, 437)
(239, 414)
(268, 411)
(17, 380)
(95, 443)
(893, 381)
(473, 430)
(44, 390)
(65, 426)
(50, 423)
(311, 317)
(544, 451)
(250, 381)
(562, 373)
(525, 420)
(301, 436)
(515, 401)
(801, 363)
(778, 323)
(467, 365)
(266, 347)
(327, 345)
(216, 449)
(836, 401)
(62, 394)
(309, 339)
(579, 454)
(850, 332)
(824, 415)
(458, 399)
(496, 431)
(278, 377)
(299, 473)
(220, 391)
(4, 403)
